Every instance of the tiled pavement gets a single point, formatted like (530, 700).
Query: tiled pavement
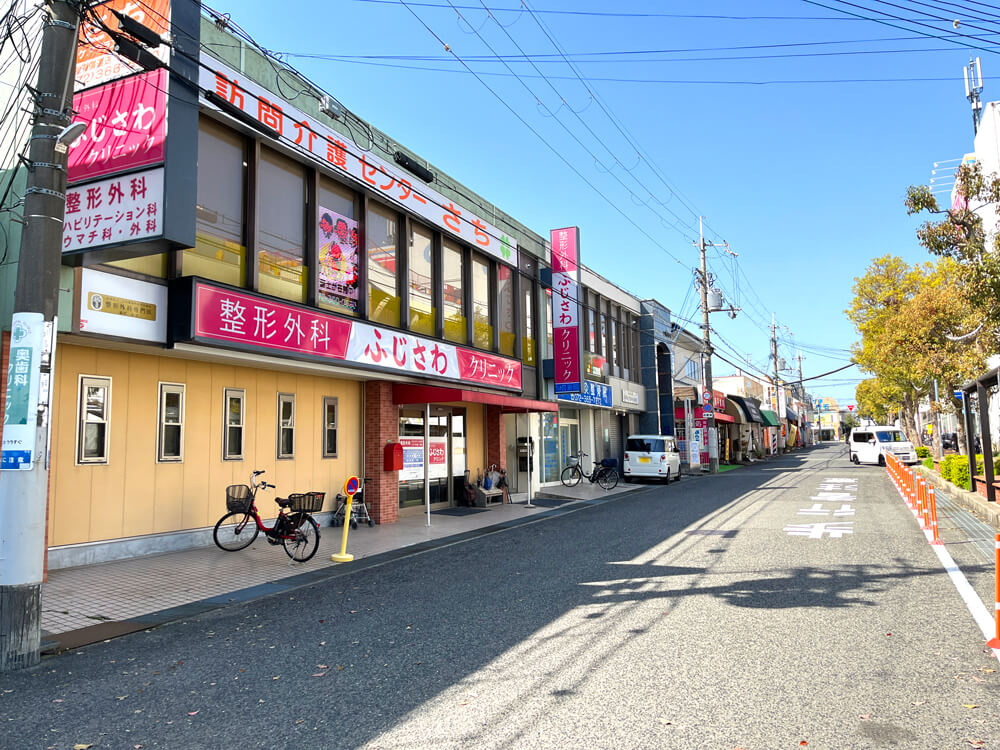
(148, 590)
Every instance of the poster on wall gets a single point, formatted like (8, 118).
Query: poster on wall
(23, 378)
(413, 458)
(338, 260)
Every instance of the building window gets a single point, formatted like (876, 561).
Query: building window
(170, 436)
(615, 354)
(281, 228)
(591, 325)
(482, 328)
(286, 425)
(547, 305)
(93, 417)
(422, 313)
(691, 369)
(232, 447)
(337, 248)
(453, 295)
(383, 293)
(505, 309)
(220, 251)
(528, 322)
(329, 427)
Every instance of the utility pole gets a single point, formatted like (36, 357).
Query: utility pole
(774, 356)
(802, 387)
(713, 455)
(24, 486)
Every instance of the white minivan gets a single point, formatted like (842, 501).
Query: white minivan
(868, 445)
(653, 456)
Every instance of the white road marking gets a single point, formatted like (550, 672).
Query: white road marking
(815, 510)
(836, 529)
(976, 607)
(845, 510)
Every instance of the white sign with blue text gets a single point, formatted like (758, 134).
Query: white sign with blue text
(593, 394)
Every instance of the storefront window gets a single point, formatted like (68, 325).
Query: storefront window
(220, 251)
(454, 301)
(422, 312)
(569, 435)
(338, 255)
(528, 322)
(505, 309)
(383, 293)
(482, 330)
(550, 447)
(281, 201)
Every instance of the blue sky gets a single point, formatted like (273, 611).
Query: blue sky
(804, 180)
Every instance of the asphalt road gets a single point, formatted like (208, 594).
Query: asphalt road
(676, 617)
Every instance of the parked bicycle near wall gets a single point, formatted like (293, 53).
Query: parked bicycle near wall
(294, 528)
(604, 473)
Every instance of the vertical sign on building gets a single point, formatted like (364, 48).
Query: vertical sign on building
(566, 353)
(20, 418)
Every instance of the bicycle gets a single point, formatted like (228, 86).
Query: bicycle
(604, 473)
(297, 531)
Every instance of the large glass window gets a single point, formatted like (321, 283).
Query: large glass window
(170, 436)
(453, 296)
(338, 255)
(220, 251)
(482, 328)
(93, 416)
(505, 309)
(383, 292)
(281, 200)
(528, 353)
(422, 312)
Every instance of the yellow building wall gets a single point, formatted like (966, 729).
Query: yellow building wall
(133, 494)
(475, 441)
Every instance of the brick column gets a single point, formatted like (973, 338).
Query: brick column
(496, 438)
(381, 426)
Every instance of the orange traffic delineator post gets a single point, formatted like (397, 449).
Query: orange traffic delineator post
(995, 641)
(927, 505)
(934, 522)
(924, 514)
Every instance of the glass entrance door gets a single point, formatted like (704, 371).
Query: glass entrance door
(445, 453)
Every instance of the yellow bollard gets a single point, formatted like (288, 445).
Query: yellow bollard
(350, 487)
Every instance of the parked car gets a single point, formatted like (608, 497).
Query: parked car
(653, 456)
(869, 445)
(949, 441)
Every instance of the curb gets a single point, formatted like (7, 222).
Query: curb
(986, 512)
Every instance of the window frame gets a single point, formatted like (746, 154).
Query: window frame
(335, 402)
(228, 393)
(165, 388)
(82, 382)
(284, 398)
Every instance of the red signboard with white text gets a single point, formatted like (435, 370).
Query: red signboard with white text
(244, 319)
(566, 309)
(126, 126)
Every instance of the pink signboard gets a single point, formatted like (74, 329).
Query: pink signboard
(565, 309)
(126, 126)
(236, 317)
(232, 316)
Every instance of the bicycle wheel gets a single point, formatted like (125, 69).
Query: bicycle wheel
(302, 543)
(235, 531)
(608, 479)
(571, 476)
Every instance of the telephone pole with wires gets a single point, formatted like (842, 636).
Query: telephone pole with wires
(704, 281)
(27, 408)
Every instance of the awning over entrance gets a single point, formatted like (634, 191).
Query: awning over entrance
(403, 393)
(698, 412)
(770, 418)
(749, 408)
(790, 415)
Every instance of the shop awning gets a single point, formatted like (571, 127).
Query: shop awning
(790, 415)
(770, 418)
(734, 411)
(403, 393)
(723, 417)
(749, 408)
(697, 412)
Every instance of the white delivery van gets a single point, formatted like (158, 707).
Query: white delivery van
(653, 456)
(868, 445)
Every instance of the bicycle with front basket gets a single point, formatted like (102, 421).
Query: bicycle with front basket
(294, 528)
(604, 473)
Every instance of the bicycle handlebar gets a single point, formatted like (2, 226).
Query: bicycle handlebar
(259, 472)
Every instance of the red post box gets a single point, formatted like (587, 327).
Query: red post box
(393, 457)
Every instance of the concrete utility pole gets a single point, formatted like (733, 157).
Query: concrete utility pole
(24, 492)
(774, 356)
(713, 450)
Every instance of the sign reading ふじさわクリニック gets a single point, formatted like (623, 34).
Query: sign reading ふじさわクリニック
(567, 359)
(20, 418)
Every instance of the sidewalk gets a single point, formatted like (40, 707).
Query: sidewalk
(91, 603)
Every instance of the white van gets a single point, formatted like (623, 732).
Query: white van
(868, 445)
(653, 456)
